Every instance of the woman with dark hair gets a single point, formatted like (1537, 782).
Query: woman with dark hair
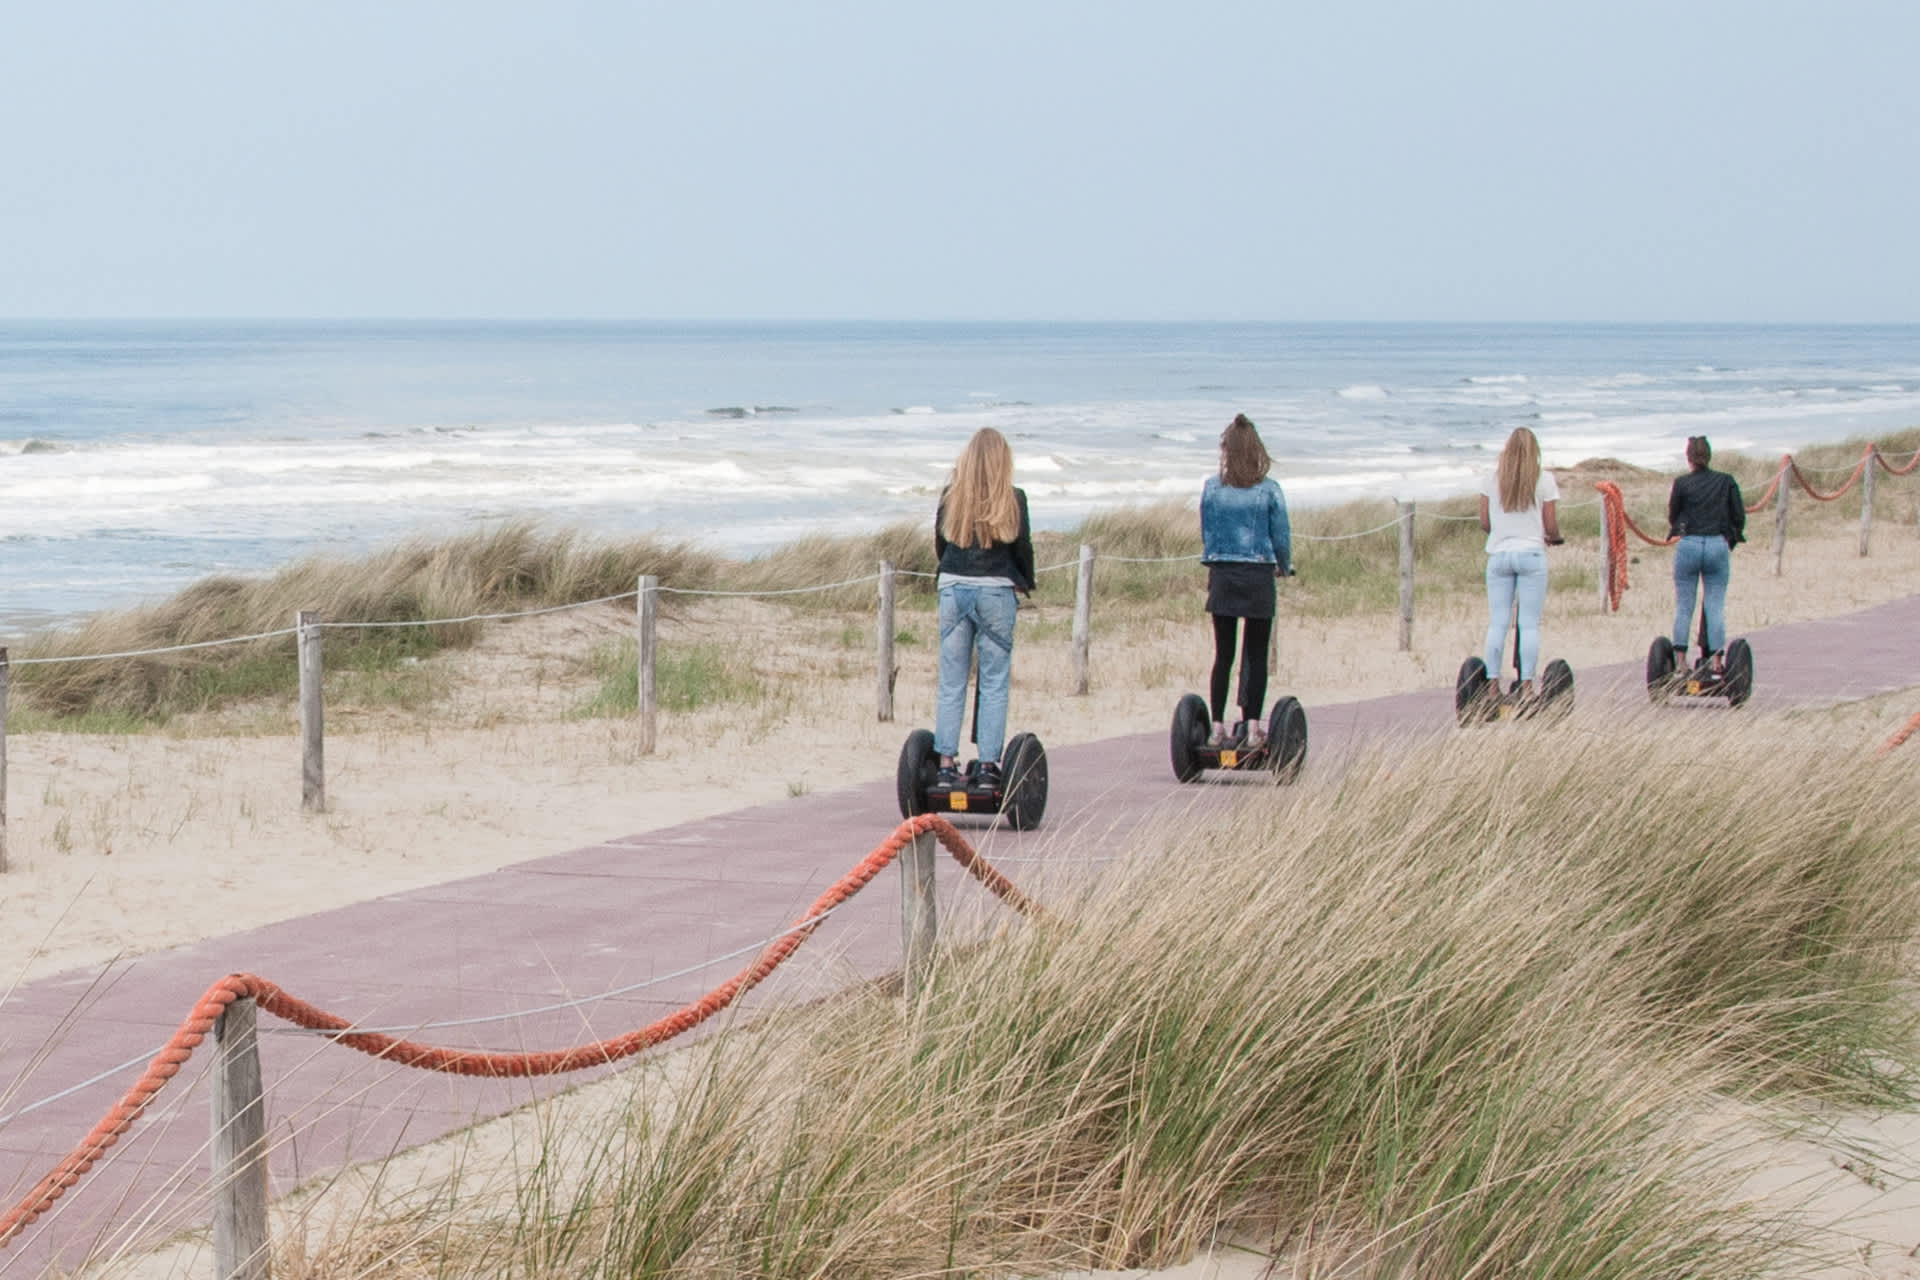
(1708, 516)
(1246, 544)
(984, 544)
(1518, 513)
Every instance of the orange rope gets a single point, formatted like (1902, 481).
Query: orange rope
(1616, 523)
(1759, 503)
(469, 1062)
(1904, 732)
(1890, 469)
(1800, 478)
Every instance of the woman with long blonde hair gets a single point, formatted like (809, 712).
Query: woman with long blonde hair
(1518, 513)
(984, 543)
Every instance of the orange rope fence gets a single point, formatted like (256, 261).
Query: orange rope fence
(470, 1062)
(1900, 735)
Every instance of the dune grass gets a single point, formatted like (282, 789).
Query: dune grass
(1460, 1012)
(1145, 570)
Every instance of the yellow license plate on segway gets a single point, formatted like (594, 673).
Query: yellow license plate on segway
(1228, 759)
(957, 801)
(1693, 688)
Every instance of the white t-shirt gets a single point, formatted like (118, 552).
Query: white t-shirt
(1517, 530)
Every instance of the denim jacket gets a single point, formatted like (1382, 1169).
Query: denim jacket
(1245, 525)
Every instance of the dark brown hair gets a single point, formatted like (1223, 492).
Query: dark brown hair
(1699, 452)
(1244, 461)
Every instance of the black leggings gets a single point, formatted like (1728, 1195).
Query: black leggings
(1253, 664)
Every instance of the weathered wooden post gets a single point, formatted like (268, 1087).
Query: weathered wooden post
(1866, 496)
(239, 1154)
(1780, 523)
(313, 768)
(919, 923)
(1406, 575)
(1083, 620)
(647, 612)
(883, 690)
(3, 758)
(1606, 562)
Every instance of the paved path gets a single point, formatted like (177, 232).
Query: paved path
(644, 909)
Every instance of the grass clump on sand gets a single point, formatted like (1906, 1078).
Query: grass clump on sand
(1461, 1013)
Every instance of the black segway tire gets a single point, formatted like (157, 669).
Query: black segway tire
(1556, 688)
(918, 764)
(1469, 692)
(1738, 685)
(1660, 664)
(1025, 801)
(1188, 735)
(1287, 739)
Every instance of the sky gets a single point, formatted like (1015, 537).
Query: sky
(1689, 160)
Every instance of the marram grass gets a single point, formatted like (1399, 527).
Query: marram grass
(1521, 1005)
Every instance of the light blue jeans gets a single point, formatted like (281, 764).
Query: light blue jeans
(1522, 576)
(974, 618)
(1701, 561)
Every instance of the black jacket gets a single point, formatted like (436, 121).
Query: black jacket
(1704, 503)
(1010, 560)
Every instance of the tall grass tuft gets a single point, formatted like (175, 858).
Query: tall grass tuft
(1463, 1012)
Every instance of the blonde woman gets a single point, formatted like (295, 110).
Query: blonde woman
(985, 546)
(1518, 514)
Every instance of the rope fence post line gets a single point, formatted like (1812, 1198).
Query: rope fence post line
(4, 669)
(1866, 498)
(646, 618)
(1406, 575)
(1083, 621)
(919, 921)
(885, 671)
(313, 768)
(239, 1151)
(1780, 525)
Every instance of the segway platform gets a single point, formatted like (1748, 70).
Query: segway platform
(1479, 699)
(1021, 793)
(1733, 683)
(1282, 754)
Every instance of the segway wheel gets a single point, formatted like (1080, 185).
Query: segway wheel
(1469, 692)
(1556, 688)
(918, 764)
(1738, 685)
(1287, 739)
(1026, 795)
(1660, 664)
(1189, 734)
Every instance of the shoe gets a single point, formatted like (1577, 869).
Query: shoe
(948, 779)
(988, 774)
(1256, 734)
(1717, 663)
(1219, 738)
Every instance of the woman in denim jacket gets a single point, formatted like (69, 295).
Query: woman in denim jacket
(985, 547)
(1246, 544)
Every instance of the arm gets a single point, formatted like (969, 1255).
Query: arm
(1550, 522)
(1023, 544)
(1736, 513)
(1674, 527)
(1486, 521)
(1280, 530)
(939, 532)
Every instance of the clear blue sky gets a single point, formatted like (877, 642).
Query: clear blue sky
(1341, 160)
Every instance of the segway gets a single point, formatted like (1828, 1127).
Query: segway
(1479, 699)
(1020, 793)
(1282, 754)
(1733, 682)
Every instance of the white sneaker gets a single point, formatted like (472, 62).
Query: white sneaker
(1256, 734)
(1220, 736)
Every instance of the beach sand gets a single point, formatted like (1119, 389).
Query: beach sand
(125, 844)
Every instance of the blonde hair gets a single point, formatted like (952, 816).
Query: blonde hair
(1519, 470)
(980, 506)
(1244, 460)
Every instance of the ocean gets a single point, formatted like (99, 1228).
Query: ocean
(136, 457)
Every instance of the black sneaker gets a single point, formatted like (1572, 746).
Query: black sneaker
(947, 779)
(989, 774)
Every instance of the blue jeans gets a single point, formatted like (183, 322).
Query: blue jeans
(1515, 575)
(974, 618)
(1701, 561)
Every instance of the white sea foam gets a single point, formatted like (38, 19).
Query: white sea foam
(1496, 379)
(1363, 391)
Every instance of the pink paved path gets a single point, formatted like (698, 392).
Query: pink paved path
(633, 910)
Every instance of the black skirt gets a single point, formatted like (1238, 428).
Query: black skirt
(1240, 589)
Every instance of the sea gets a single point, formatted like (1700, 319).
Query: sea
(136, 457)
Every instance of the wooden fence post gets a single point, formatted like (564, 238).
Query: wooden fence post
(1083, 620)
(647, 615)
(1606, 562)
(1406, 576)
(1780, 524)
(1866, 496)
(313, 767)
(883, 633)
(239, 1154)
(919, 923)
(3, 757)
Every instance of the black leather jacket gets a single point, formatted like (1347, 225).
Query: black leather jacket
(1010, 560)
(1704, 503)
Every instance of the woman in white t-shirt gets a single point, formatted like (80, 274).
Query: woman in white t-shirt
(1517, 512)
